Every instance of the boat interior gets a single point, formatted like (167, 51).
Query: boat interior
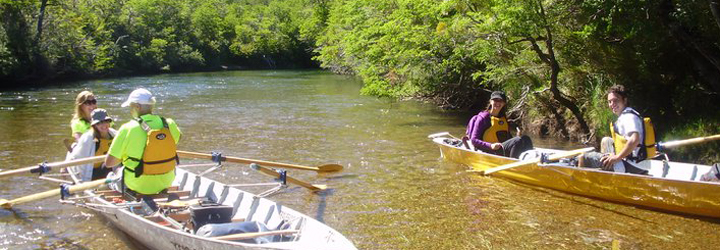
(197, 205)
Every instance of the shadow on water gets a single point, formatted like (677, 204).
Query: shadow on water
(320, 215)
(571, 197)
(345, 176)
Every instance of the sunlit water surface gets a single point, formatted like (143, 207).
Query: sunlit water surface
(395, 192)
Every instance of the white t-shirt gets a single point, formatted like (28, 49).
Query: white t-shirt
(628, 123)
(85, 148)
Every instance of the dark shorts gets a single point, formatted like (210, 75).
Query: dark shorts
(513, 147)
(594, 160)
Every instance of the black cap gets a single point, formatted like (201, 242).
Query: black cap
(498, 95)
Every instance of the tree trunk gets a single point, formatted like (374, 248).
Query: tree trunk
(41, 16)
(715, 9)
(550, 59)
(41, 67)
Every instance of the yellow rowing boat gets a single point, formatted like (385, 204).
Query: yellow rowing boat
(669, 186)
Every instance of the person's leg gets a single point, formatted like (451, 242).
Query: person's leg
(590, 160)
(594, 160)
(607, 146)
(516, 145)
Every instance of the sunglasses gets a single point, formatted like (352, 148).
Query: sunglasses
(90, 102)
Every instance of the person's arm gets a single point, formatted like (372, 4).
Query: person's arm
(78, 128)
(609, 160)
(116, 149)
(174, 130)
(481, 123)
(84, 147)
(632, 125)
(111, 161)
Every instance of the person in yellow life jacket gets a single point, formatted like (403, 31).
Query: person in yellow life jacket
(489, 130)
(146, 147)
(632, 141)
(94, 142)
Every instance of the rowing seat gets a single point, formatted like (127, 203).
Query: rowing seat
(206, 213)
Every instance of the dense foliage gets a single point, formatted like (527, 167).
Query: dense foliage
(555, 58)
(59, 38)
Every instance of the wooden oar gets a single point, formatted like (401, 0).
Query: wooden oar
(50, 193)
(272, 173)
(59, 164)
(244, 236)
(320, 169)
(673, 144)
(553, 157)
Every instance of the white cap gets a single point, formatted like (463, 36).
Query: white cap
(139, 96)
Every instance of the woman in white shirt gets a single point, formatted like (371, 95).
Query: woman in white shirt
(95, 141)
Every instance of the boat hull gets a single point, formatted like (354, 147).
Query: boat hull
(683, 196)
(313, 234)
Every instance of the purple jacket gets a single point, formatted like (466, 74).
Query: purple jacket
(476, 128)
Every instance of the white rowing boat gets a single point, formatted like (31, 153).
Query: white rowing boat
(286, 228)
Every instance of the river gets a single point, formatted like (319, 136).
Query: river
(394, 193)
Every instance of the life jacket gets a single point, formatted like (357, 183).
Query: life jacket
(102, 146)
(647, 143)
(160, 154)
(499, 130)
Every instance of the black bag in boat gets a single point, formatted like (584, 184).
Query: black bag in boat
(211, 230)
(210, 213)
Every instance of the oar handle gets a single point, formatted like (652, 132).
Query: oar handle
(54, 192)
(60, 164)
(243, 160)
(553, 157)
(673, 144)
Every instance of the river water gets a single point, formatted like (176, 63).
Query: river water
(394, 193)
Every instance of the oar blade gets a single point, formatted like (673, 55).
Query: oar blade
(5, 203)
(330, 168)
(320, 187)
